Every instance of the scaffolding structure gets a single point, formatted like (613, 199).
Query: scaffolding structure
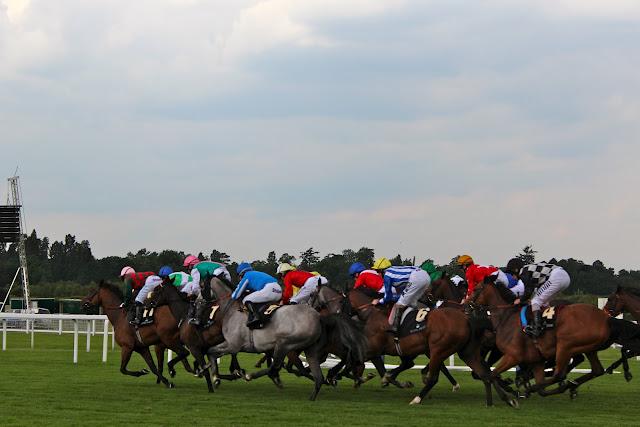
(16, 234)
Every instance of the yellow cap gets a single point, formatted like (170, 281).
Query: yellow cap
(381, 264)
(465, 260)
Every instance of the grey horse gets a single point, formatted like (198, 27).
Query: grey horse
(291, 328)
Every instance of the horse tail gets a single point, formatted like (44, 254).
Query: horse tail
(625, 333)
(346, 336)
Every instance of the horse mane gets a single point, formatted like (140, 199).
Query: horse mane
(367, 292)
(115, 289)
(505, 293)
(632, 291)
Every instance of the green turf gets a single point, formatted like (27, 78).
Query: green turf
(43, 386)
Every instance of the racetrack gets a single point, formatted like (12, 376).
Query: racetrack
(43, 386)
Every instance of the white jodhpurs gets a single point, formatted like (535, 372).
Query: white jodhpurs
(308, 289)
(150, 284)
(558, 281)
(272, 292)
(418, 282)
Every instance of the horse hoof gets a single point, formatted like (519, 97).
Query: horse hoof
(513, 403)
(144, 372)
(416, 401)
(247, 377)
(172, 373)
(573, 393)
(216, 383)
(370, 376)
(171, 385)
(628, 376)
(408, 384)
(455, 388)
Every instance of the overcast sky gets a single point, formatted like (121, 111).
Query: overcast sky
(426, 128)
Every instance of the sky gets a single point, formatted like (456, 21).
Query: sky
(426, 128)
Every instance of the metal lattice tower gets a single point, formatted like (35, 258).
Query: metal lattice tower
(14, 197)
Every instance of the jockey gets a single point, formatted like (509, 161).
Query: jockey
(475, 274)
(306, 281)
(541, 281)
(364, 278)
(149, 285)
(202, 272)
(184, 282)
(263, 288)
(430, 268)
(413, 279)
(132, 282)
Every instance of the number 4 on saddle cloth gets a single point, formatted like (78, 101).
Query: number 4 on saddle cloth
(549, 316)
(413, 320)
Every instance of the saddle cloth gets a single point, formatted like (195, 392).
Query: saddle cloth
(413, 320)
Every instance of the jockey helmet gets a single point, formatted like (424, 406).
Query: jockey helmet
(464, 260)
(381, 264)
(127, 270)
(284, 267)
(514, 265)
(243, 267)
(165, 271)
(190, 261)
(355, 268)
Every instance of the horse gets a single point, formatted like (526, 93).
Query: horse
(291, 328)
(580, 328)
(198, 341)
(331, 301)
(623, 300)
(447, 333)
(163, 333)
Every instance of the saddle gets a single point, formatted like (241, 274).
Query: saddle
(549, 316)
(413, 321)
(264, 313)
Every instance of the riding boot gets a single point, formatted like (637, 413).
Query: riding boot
(397, 316)
(139, 310)
(536, 327)
(192, 315)
(253, 320)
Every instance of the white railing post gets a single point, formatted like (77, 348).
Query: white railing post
(75, 341)
(33, 333)
(169, 355)
(88, 336)
(452, 361)
(105, 340)
(4, 334)
(60, 327)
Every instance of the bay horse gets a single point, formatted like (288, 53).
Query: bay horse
(198, 340)
(623, 300)
(291, 328)
(163, 333)
(579, 328)
(331, 301)
(447, 333)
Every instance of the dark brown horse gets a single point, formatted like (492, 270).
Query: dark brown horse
(163, 333)
(580, 328)
(623, 300)
(447, 333)
(197, 340)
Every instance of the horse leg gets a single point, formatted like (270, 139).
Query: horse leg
(316, 371)
(235, 368)
(146, 355)
(506, 362)
(333, 373)
(159, 349)
(596, 371)
(406, 362)
(261, 361)
(199, 359)
(181, 356)
(125, 356)
(429, 380)
(452, 380)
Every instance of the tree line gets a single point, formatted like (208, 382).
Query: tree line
(67, 268)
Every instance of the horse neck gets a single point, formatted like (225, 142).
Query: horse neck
(500, 309)
(632, 305)
(110, 304)
(177, 305)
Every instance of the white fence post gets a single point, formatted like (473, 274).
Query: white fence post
(105, 340)
(60, 327)
(75, 341)
(169, 355)
(4, 334)
(33, 333)
(88, 336)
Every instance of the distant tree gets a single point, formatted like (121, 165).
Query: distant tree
(527, 255)
(365, 256)
(285, 257)
(220, 257)
(308, 259)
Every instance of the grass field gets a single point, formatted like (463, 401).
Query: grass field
(43, 386)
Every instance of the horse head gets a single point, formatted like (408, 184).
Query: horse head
(329, 299)
(91, 300)
(615, 303)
